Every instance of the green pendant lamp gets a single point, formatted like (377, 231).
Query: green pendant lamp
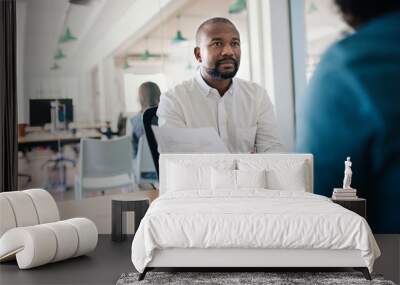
(126, 64)
(312, 8)
(67, 37)
(59, 55)
(178, 36)
(146, 55)
(189, 66)
(237, 7)
(55, 66)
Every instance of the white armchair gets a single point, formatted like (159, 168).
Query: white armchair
(31, 230)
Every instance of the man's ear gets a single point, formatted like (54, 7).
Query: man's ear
(197, 54)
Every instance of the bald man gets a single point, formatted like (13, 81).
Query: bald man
(240, 111)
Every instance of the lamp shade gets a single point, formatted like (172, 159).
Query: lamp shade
(67, 36)
(126, 64)
(237, 7)
(55, 66)
(178, 37)
(312, 8)
(146, 55)
(59, 55)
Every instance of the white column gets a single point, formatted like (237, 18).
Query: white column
(102, 95)
(271, 59)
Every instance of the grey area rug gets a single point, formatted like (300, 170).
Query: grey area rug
(225, 278)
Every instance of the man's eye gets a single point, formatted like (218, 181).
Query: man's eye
(217, 44)
(235, 44)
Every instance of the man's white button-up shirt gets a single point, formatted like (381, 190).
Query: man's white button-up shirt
(244, 117)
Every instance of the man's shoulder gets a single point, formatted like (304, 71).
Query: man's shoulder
(250, 86)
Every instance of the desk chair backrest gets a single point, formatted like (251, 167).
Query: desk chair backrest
(101, 158)
(150, 119)
(145, 169)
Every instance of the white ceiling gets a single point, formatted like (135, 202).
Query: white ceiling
(45, 21)
(159, 40)
(44, 25)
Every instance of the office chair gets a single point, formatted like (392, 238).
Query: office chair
(145, 171)
(104, 164)
(150, 119)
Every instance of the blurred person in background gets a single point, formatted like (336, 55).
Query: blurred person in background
(352, 108)
(149, 96)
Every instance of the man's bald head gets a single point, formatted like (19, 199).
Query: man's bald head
(206, 24)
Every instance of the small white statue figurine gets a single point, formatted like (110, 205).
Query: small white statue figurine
(347, 174)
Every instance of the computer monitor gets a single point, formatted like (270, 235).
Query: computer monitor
(40, 113)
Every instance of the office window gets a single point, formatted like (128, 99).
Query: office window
(324, 26)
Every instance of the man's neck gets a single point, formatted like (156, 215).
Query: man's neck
(221, 85)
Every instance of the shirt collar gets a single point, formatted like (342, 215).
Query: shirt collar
(207, 89)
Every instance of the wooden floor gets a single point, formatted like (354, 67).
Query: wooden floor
(102, 266)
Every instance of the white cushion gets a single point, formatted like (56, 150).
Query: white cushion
(223, 179)
(67, 239)
(236, 179)
(186, 175)
(87, 232)
(27, 235)
(40, 244)
(46, 207)
(282, 174)
(7, 218)
(187, 178)
(293, 179)
(23, 208)
(33, 246)
(251, 178)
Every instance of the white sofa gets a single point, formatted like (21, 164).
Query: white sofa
(31, 231)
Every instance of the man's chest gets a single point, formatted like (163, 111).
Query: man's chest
(214, 111)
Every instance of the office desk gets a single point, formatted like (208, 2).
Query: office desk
(54, 140)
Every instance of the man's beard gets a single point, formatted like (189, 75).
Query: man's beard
(217, 75)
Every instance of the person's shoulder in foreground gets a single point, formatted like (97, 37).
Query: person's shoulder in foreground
(352, 108)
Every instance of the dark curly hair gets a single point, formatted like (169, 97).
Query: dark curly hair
(358, 12)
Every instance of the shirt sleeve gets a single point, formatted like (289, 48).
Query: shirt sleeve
(267, 136)
(169, 112)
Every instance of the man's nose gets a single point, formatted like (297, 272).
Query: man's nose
(227, 50)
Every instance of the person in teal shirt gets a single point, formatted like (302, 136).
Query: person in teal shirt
(352, 108)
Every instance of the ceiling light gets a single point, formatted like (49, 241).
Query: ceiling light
(59, 55)
(126, 64)
(146, 55)
(237, 7)
(67, 37)
(55, 66)
(312, 8)
(178, 36)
